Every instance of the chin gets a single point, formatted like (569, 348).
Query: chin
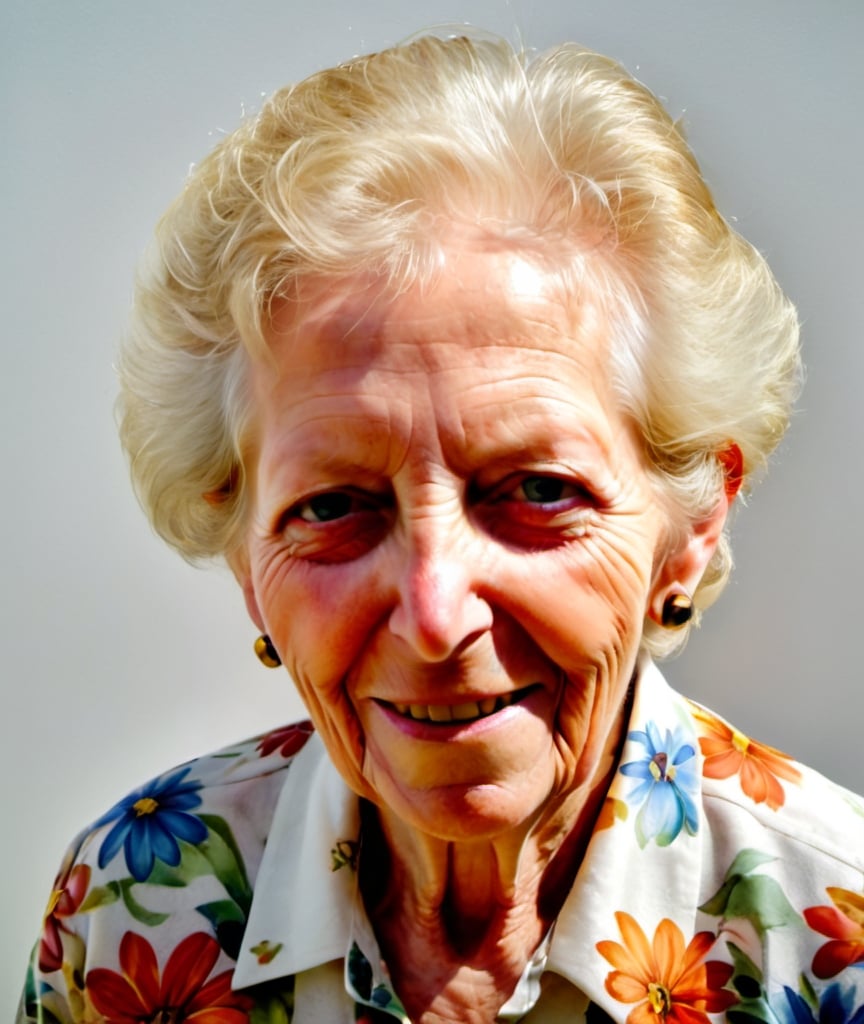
(462, 812)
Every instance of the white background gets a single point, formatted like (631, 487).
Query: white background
(117, 659)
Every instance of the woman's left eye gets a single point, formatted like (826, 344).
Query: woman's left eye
(545, 490)
(537, 510)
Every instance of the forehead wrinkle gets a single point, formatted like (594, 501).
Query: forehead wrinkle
(515, 433)
(359, 438)
(493, 319)
(529, 400)
(526, 396)
(370, 327)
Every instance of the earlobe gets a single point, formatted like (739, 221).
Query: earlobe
(252, 604)
(263, 646)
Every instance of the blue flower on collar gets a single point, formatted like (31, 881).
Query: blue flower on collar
(150, 821)
(668, 785)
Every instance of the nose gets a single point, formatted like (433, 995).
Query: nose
(438, 610)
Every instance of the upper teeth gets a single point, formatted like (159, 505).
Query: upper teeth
(455, 712)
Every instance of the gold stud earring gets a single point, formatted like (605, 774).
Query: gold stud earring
(677, 611)
(266, 652)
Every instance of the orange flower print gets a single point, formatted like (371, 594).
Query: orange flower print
(612, 810)
(727, 752)
(668, 983)
(844, 925)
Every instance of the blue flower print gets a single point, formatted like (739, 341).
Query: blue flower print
(150, 821)
(836, 1006)
(669, 783)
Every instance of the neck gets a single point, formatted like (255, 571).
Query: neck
(468, 891)
(458, 920)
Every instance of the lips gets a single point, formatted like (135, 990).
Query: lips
(467, 711)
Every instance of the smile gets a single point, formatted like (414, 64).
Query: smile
(466, 712)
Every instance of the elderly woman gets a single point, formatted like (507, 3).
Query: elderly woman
(451, 357)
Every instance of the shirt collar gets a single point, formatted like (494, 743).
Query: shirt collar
(305, 894)
(646, 851)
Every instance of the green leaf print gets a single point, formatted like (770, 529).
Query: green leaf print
(100, 896)
(748, 983)
(229, 924)
(754, 897)
(221, 850)
(218, 855)
(139, 912)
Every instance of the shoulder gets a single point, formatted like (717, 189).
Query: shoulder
(232, 790)
(782, 877)
(165, 874)
(739, 785)
(764, 789)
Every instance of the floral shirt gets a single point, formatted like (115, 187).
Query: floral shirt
(723, 882)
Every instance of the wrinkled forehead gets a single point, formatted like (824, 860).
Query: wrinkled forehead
(489, 294)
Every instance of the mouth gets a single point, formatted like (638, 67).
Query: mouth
(468, 711)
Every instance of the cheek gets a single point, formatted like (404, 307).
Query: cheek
(620, 555)
(320, 619)
(585, 604)
(609, 598)
(316, 614)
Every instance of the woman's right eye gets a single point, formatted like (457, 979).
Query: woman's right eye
(326, 507)
(336, 526)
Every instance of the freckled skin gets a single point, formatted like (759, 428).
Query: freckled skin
(448, 506)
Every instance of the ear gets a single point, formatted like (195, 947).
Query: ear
(239, 565)
(685, 564)
(732, 462)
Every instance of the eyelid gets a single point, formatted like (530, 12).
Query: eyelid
(505, 488)
(367, 501)
(531, 525)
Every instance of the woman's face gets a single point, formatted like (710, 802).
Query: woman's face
(453, 541)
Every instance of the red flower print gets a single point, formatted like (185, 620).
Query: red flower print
(728, 752)
(668, 983)
(844, 925)
(288, 740)
(70, 888)
(183, 994)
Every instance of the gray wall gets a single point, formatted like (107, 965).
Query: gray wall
(119, 660)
